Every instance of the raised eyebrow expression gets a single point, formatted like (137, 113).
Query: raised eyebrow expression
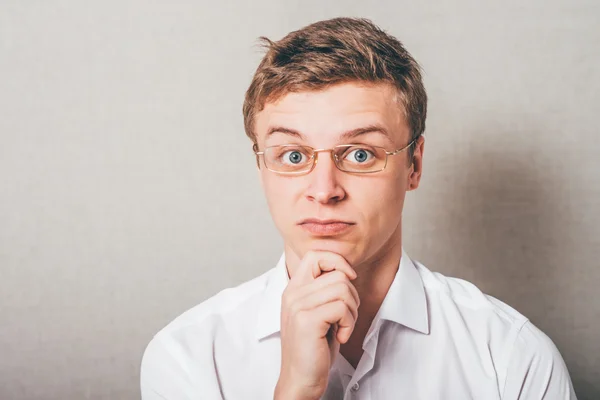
(344, 137)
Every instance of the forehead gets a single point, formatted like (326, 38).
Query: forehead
(334, 110)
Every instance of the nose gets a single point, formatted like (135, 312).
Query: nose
(324, 187)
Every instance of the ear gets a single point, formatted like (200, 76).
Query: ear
(416, 168)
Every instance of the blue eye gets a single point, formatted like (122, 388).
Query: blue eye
(359, 156)
(293, 157)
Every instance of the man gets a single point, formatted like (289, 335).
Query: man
(336, 112)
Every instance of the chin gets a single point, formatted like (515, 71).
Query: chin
(349, 250)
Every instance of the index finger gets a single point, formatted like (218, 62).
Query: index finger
(315, 263)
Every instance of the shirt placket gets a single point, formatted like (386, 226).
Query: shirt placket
(357, 387)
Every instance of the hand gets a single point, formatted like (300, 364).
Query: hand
(318, 312)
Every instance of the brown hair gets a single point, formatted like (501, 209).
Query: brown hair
(335, 51)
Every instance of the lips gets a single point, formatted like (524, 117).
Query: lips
(325, 227)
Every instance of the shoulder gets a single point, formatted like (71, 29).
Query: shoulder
(179, 359)
(201, 323)
(456, 295)
(526, 361)
(535, 368)
(197, 327)
(219, 306)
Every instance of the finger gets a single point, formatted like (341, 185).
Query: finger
(333, 277)
(335, 313)
(321, 283)
(331, 333)
(328, 262)
(338, 291)
(315, 263)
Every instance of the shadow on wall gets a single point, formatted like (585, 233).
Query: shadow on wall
(515, 234)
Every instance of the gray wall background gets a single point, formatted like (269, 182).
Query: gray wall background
(128, 191)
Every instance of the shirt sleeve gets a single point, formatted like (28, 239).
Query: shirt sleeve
(536, 370)
(167, 373)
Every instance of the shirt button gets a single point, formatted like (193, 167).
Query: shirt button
(355, 387)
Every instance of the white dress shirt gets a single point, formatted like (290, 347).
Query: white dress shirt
(434, 337)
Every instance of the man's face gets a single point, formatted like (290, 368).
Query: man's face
(355, 215)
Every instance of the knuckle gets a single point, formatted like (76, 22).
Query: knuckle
(342, 290)
(340, 307)
(286, 300)
(291, 305)
(302, 318)
(349, 298)
(293, 309)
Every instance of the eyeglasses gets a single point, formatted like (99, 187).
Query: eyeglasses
(293, 159)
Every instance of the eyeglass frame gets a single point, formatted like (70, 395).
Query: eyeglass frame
(315, 157)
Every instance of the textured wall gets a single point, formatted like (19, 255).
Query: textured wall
(128, 191)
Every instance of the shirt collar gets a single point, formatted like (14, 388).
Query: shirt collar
(405, 303)
(269, 315)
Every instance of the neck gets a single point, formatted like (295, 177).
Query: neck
(375, 276)
(374, 279)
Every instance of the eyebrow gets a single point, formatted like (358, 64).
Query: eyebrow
(344, 136)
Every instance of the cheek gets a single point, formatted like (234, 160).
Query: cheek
(382, 201)
(280, 194)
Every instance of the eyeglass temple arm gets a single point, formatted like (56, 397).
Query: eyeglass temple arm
(392, 153)
(255, 148)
